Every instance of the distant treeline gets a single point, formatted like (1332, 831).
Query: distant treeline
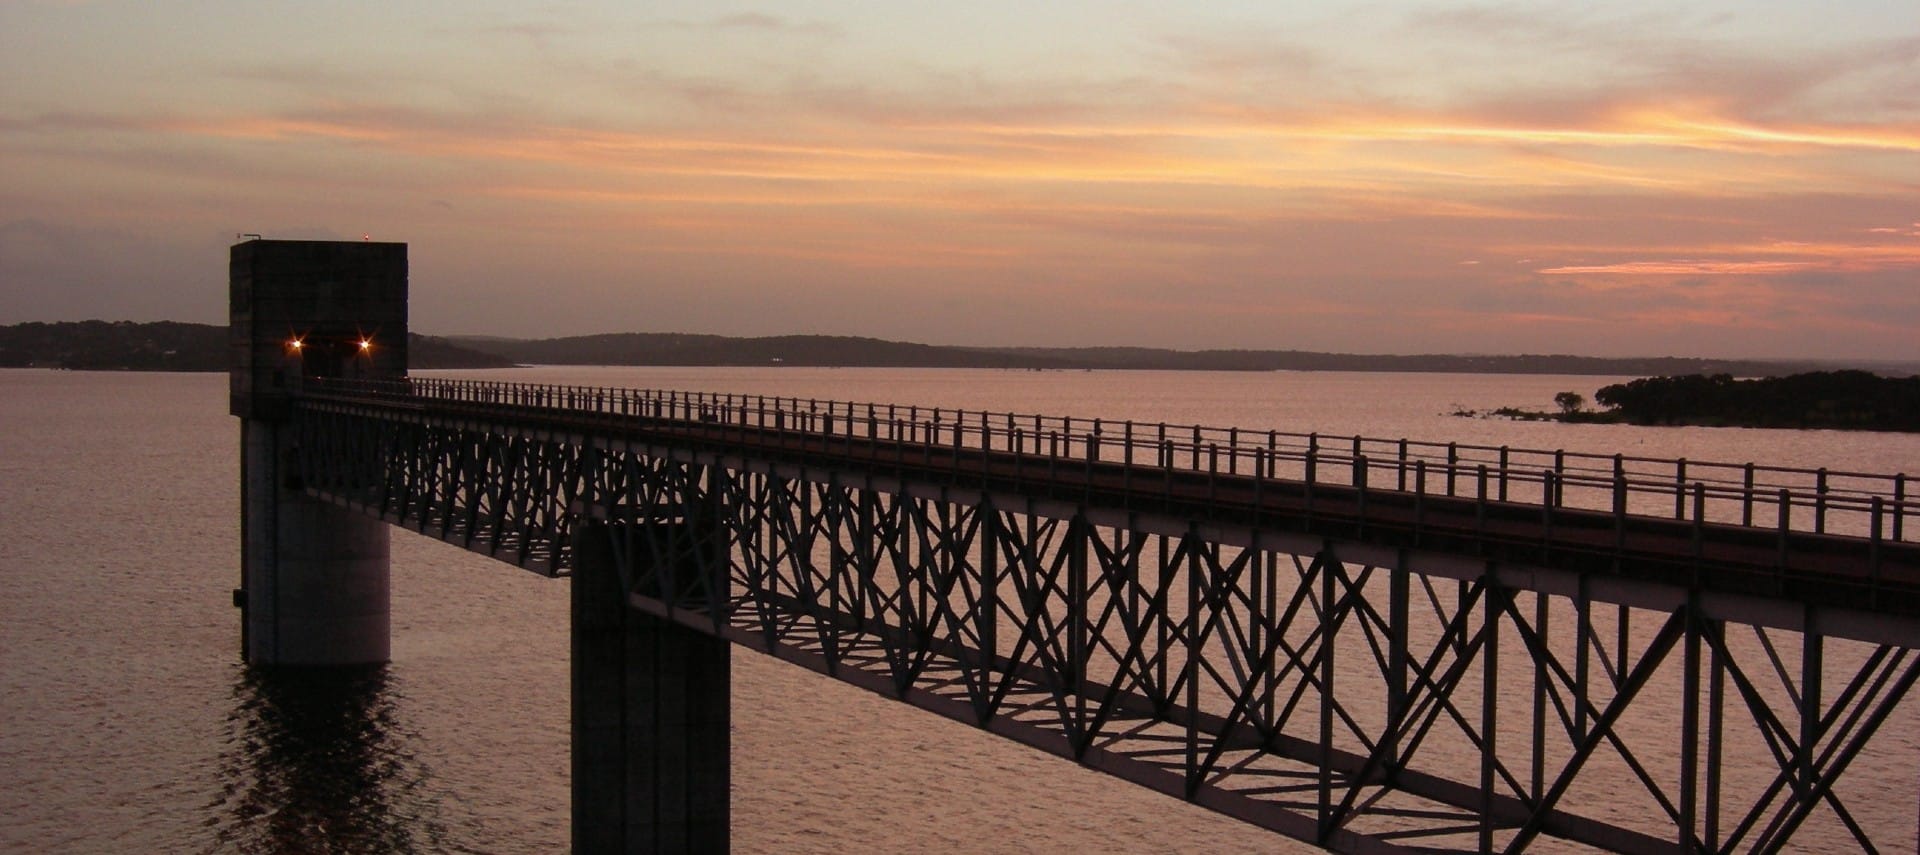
(117, 345)
(845, 351)
(1850, 400)
(1304, 360)
(810, 350)
(170, 346)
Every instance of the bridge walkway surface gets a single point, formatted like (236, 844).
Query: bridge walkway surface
(1177, 605)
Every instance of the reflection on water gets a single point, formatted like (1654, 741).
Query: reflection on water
(316, 761)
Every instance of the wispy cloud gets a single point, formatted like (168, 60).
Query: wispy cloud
(774, 24)
(1684, 268)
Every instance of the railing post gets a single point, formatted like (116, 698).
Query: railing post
(1401, 466)
(1699, 527)
(1018, 441)
(1786, 524)
(1360, 486)
(1480, 498)
(1559, 477)
(1260, 470)
(1680, 489)
(1619, 485)
(1874, 535)
(1312, 465)
(1419, 498)
(1820, 500)
(1619, 508)
(1899, 507)
(1503, 473)
(1548, 491)
(1053, 458)
(1213, 471)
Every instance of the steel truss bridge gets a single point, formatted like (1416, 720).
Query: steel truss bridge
(1370, 645)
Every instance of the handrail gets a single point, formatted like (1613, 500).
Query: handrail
(1879, 507)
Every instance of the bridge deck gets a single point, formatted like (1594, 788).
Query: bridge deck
(1872, 573)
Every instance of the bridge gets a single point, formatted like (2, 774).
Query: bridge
(1370, 645)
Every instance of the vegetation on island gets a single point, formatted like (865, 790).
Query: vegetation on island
(1836, 400)
(1846, 400)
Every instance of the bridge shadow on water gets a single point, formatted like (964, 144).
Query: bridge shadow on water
(317, 761)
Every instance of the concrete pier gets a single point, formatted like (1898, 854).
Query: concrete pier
(314, 577)
(650, 714)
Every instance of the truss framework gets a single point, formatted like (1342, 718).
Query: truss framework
(1362, 707)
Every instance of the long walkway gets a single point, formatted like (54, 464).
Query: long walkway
(1446, 507)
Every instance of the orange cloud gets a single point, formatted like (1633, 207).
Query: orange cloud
(276, 128)
(1776, 257)
(1685, 268)
(1407, 154)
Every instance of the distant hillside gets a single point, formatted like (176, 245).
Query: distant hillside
(1300, 360)
(683, 349)
(813, 350)
(427, 351)
(170, 346)
(117, 345)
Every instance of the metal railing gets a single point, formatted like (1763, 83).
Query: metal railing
(1878, 507)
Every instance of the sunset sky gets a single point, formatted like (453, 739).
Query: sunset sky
(1629, 178)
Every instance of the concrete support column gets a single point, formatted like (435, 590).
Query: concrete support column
(651, 714)
(315, 579)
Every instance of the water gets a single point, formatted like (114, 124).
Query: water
(127, 723)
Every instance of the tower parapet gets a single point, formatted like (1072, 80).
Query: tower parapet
(311, 308)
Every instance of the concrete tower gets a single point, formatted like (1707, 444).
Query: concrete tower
(314, 577)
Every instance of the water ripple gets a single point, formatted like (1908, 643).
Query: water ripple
(317, 760)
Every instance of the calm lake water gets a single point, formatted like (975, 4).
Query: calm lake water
(127, 723)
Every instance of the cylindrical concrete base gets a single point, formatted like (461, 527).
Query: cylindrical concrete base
(315, 583)
(651, 712)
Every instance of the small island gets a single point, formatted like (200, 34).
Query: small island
(1833, 400)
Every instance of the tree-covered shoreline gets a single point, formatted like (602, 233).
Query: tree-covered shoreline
(1829, 400)
(1839, 400)
(173, 346)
